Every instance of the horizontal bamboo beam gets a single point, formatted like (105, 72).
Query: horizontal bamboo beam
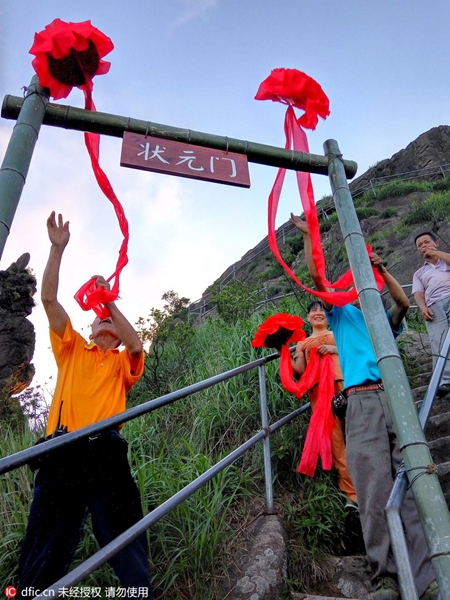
(69, 117)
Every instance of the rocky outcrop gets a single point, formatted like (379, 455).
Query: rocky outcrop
(17, 337)
(430, 149)
(261, 570)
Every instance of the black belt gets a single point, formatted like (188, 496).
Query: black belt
(363, 388)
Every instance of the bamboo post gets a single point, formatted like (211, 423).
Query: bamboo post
(16, 163)
(427, 492)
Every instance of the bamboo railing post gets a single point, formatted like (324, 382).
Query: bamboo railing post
(427, 492)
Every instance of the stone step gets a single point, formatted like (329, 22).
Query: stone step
(440, 449)
(440, 405)
(438, 426)
(420, 366)
(420, 379)
(350, 578)
(424, 362)
(418, 393)
(443, 472)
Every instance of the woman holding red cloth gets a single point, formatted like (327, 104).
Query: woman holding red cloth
(323, 339)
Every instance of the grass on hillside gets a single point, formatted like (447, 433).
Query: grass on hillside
(191, 547)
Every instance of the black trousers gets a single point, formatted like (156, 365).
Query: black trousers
(90, 475)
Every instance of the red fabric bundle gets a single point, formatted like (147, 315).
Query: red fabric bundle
(294, 88)
(318, 437)
(69, 55)
(320, 371)
(278, 331)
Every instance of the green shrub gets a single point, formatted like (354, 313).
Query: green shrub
(190, 549)
(318, 518)
(433, 210)
(441, 184)
(364, 212)
(398, 188)
(415, 321)
(325, 226)
(295, 243)
(287, 256)
(388, 212)
(327, 223)
(273, 290)
(274, 271)
(252, 266)
(235, 301)
(402, 230)
(366, 199)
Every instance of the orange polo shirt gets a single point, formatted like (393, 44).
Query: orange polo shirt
(91, 384)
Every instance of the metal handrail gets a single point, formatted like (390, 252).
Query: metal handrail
(406, 176)
(24, 456)
(104, 554)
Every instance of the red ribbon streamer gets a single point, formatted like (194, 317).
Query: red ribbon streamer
(320, 371)
(90, 295)
(294, 133)
(68, 55)
(279, 331)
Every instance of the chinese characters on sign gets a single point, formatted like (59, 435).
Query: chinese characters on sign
(185, 160)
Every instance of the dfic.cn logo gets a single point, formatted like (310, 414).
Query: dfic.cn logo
(10, 591)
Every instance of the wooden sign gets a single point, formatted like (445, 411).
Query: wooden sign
(185, 160)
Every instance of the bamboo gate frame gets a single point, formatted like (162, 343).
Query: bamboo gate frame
(35, 109)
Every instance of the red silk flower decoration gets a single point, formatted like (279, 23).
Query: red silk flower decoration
(278, 331)
(69, 55)
(294, 88)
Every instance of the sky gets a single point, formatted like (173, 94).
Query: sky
(197, 64)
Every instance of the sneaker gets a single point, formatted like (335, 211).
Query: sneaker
(443, 390)
(386, 589)
(432, 592)
(351, 505)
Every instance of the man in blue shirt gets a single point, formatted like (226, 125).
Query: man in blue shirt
(373, 454)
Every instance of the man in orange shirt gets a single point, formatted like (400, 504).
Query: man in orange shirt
(92, 474)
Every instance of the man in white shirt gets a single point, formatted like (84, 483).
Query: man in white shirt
(431, 289)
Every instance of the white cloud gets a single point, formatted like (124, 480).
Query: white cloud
(191, 9)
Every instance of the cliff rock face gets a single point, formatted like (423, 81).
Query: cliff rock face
(430, 149)
(17, 337)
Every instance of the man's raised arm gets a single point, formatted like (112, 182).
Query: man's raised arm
(399, 309)
(302, 226)
(58, 233)
(124, 329)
